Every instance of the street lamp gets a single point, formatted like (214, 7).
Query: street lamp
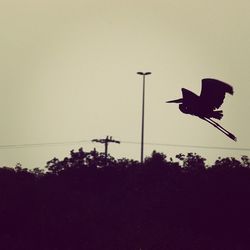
(143, 101)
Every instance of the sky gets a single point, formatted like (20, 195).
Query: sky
(68, 74)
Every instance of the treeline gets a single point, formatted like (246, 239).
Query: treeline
(91, 202)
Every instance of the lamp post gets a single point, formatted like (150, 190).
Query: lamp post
(143, 104)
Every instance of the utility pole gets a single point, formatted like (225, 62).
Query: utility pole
(143, 104)
(106, 141)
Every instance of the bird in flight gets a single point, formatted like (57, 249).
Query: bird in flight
(205, 106)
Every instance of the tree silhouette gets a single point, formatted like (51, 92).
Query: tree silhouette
(86, 202)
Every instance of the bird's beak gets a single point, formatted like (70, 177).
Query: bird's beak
(175, 101)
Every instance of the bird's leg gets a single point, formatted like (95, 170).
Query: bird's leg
(212, 123)
(229, 134)
(217, 124)
(224, 131)
(219, 127)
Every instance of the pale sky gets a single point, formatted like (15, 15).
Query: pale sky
(68, 73)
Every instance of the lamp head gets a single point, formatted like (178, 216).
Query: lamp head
(144, 74)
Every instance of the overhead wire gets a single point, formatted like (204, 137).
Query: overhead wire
(188, 146)
(9, 146)
(13, 146)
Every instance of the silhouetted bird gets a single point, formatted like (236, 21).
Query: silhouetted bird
(204, 106)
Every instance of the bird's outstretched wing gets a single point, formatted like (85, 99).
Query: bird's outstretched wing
(213, 92)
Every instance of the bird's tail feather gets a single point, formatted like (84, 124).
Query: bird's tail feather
(218, 114)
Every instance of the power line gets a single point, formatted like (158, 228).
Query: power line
(42, 144)
(188, 146)
(13, 146)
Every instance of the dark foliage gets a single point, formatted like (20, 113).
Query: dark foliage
(87, 201)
